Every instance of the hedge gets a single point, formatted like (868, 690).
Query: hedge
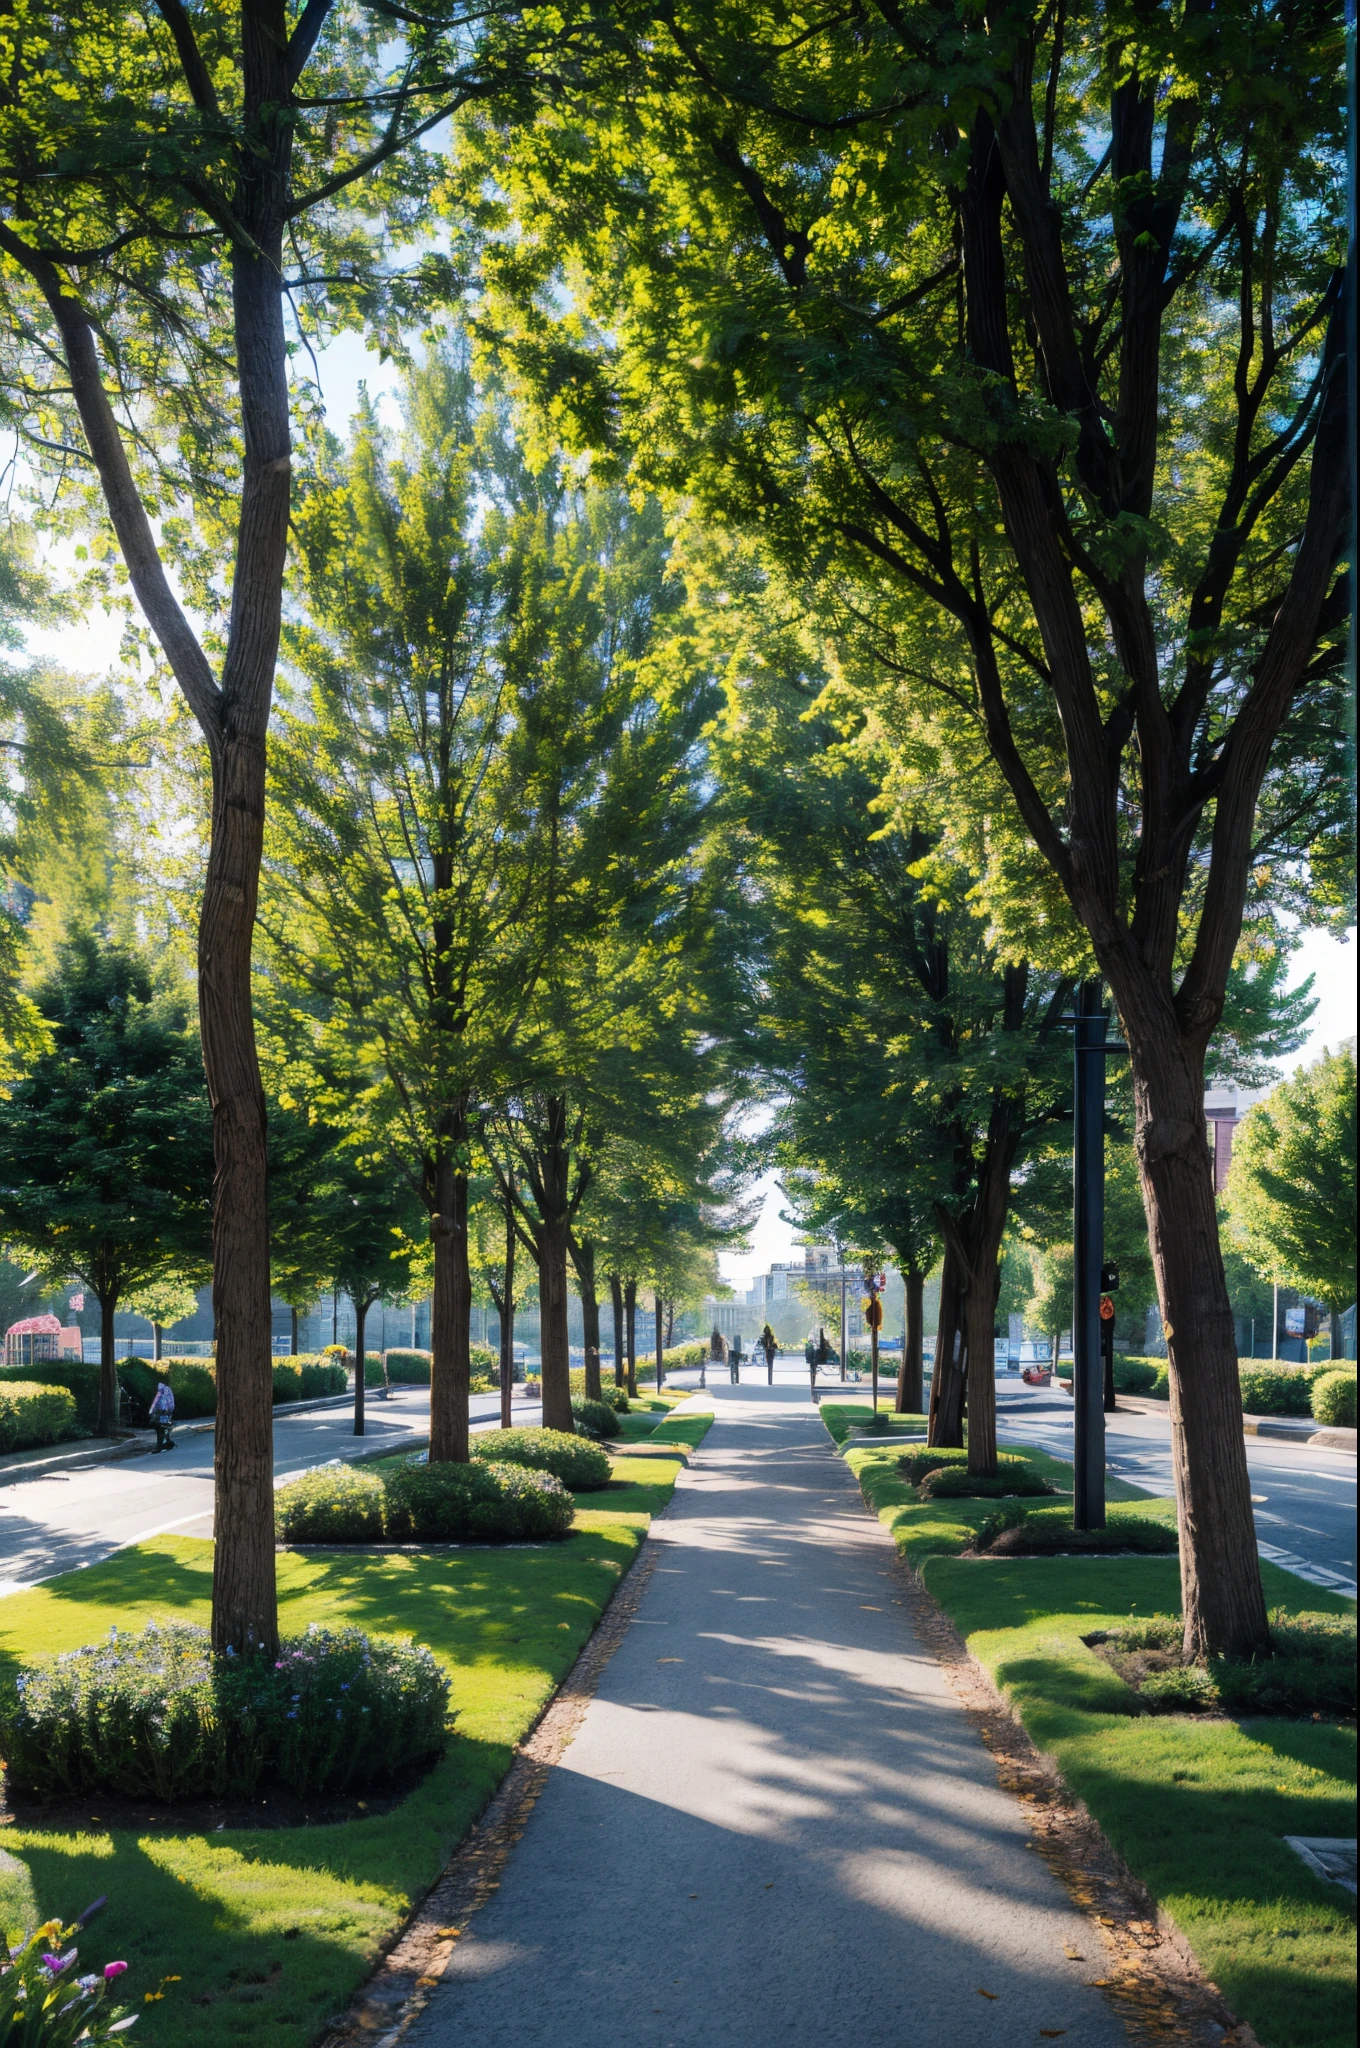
(579, 1464)
(79, 1379)
(409, 1368)
(1334, 1397)
(422, 1503)
(193, 1382)
(32, 1414)
(600, 1418)
(1267, 1388)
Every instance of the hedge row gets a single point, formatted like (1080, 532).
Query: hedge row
(81, 1381)
(479, 1502)
(32, 1414)
(1267, 1389)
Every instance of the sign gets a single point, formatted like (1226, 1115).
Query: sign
(873, 1313)
(1106, 1309)
(77, 1304)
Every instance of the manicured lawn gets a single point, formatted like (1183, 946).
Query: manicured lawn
(272, 1930)
(1198, 1808)
(841, 1417)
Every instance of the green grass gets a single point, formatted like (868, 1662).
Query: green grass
(841, 1417)
(1197, 1808)
(271, 1931)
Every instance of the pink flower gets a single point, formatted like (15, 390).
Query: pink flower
(112, 1970)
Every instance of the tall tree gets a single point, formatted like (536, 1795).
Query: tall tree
(1291, 1187)
(1032, 326)
(105, 1145)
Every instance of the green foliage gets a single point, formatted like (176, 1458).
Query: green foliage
(957, 1483)
(322, 1376)
(287, 1380)
(600, 1417)
(192, 1382)
(156, 1715)
(32, 1414)
(334, 1504)
(582, 1466)
(1311, 1669)
(486, 1501)
(79, 1379)
(1275, 1389)
(1333, 1399)
(45, 2008)
(1137, 1375)
(106, 1145)
(412, 1368)
(1290, 1194)
(1045, 1532)
(916, 1465)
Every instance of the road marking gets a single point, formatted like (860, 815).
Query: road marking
(1315, 1574)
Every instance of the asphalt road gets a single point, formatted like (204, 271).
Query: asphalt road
(54, 1523)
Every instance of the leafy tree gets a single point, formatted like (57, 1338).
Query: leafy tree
(166, 184)
(105, 1145)
(1290, 1195)
(170, 1298)
(1027, 331)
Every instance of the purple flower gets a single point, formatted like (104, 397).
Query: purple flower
(56, 1964)
(112, 1970)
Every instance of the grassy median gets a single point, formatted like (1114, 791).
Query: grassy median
(1197, 1806)
(270, 1931)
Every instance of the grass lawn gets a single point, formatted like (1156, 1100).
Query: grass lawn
(271, 1930)
(841, 1417)
(1197, 1807)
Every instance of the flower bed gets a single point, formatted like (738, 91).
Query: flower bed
(157, 1714)
(43, 1999)
(421, 1503)
(1311, 1671)
(581, 1465)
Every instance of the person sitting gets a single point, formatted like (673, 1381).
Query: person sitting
(163, 1416)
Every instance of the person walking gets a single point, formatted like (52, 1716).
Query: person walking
(769, 1345)
(163, 1416)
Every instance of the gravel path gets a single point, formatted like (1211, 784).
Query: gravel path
(775, 1825)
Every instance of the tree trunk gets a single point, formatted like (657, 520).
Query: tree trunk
(670, 1324)
(583, 1258)
(1334, 1331)
(1222, 1598)
(910, 1382)
(616, 1296)
(945, 1427)
(630, 1319)
(108, 1368)
(506, 1306)
(552, 1313)
(293, 1330)
(450, 1316)
(156, 1336)
(360, 1363)
(660, 1342)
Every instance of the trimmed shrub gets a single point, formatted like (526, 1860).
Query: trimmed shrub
(80, 1380)
(156, 1715)
(287, 1380)
(599, 1417)
(409, 1368)
(1275, 1389)
(1311, 1670)
(1334, 1397)
(916, 1463)
(1014, 1531)
(31, 1414)
(617, 1397)
(335, 1504)
(684, 1357)
(582, 1466)
(193, 1383)
(955, 1482)
(374, 1376)
(322, 1376)
(481, 1502)
(1135, 1375)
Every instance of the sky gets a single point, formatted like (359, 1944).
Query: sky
(344, 364)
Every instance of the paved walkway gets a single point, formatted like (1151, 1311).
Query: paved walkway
(775, 1825)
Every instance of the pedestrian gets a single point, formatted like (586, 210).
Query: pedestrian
(769, 1345)
(810, 1354)
(163, 1416)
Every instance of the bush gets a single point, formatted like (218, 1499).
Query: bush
(1040, 1532)
(1274, 1389)
(582, 1466)
(617, 1398)
(374, 1376)
(287, 1380)
(409, 1368)
(481, 1502)
(955, 1482)
(599, 1417)
(1135, 1375)
(919, 1460)
(336, 1504)
(193, 1383)
(322, 1376)
(156, 1715)
(80, 1380)
(1311, 1670)
(684, 1357)
(67, 2005)
(31, 1414)
(1334, 1397)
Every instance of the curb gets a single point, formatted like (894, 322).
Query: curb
(1284, 1428)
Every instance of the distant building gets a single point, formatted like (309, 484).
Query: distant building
(1225, 1105)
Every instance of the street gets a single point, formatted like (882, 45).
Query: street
(55, 1523)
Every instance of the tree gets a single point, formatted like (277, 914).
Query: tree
(105, 1145)
(1290, 1195)
(162, 191)
(1030, 329)
(170, 1298)
(373, 1217)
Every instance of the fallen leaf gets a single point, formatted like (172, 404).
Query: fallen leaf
(987, 1994)
(448, 1933)
(426, 1982)
(867, 1608)
(670, 1660)
(1074, 1955)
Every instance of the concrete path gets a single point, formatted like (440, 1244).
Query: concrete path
(775, 1825)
